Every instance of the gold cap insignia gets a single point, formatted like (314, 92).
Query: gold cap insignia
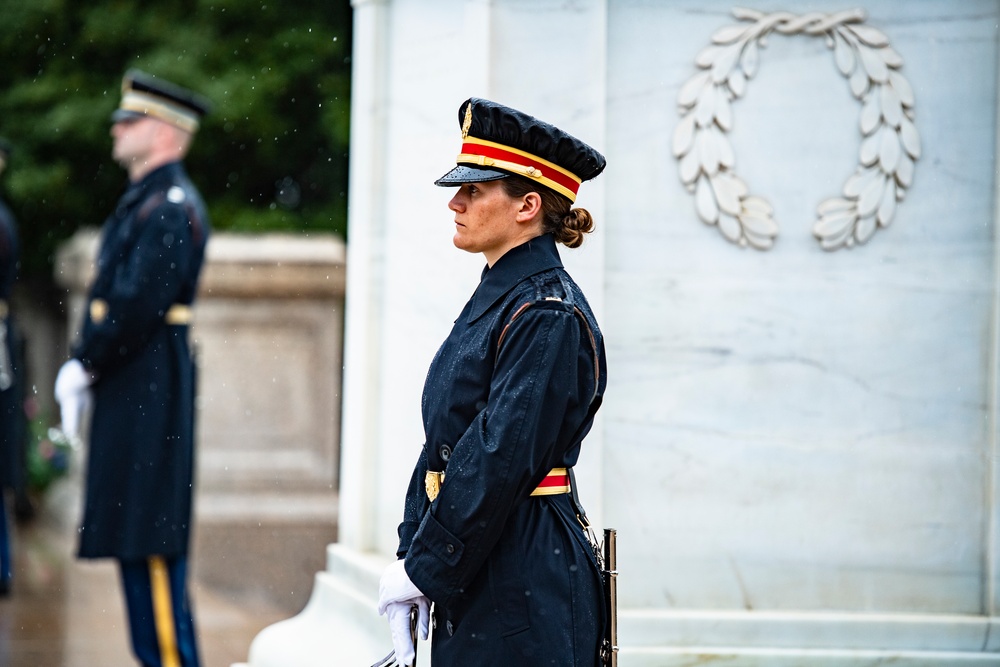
(467, 122)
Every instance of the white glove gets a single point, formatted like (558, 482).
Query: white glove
(72, 379)
(72, 408)
(399, 625)
(396, 594)
(73, 393)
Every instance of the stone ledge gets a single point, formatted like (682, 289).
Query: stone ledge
(739, 657)
(264, 547)
(833, 632)
(267, 331)
(339, 625)
(236, 265)
(287, 507)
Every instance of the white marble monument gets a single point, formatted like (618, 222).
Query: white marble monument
(798, 445)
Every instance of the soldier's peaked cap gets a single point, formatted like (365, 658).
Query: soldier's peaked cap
(498, 141)
(147, 95)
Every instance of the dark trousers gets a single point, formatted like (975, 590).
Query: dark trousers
(159, 613)
(6, 563)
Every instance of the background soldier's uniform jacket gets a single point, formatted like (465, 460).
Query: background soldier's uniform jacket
(141, 458)
(506, 570)
(12, 419)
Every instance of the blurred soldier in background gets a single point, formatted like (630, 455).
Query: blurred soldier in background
(11, 404)
(134, 361)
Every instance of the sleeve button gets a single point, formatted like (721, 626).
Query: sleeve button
(450, 548)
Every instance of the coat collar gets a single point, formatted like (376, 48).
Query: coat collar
(165, 174)
(537, 255)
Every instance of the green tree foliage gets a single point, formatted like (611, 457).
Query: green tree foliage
(271, 155)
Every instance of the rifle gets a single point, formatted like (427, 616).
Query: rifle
(609, 575)
(390, 659)
(607, 561)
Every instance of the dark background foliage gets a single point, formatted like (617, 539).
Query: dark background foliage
(271, 155)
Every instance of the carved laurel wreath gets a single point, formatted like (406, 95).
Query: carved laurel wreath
(889, 148)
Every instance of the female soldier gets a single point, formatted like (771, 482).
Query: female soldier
(491, 533)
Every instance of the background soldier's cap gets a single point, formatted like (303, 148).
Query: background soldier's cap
(147, 95)
(498, 141)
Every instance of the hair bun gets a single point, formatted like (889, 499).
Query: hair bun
(575, 224)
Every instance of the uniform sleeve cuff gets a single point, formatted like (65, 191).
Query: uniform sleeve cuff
(432, 559)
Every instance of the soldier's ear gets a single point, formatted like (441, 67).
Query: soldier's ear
(531, 207)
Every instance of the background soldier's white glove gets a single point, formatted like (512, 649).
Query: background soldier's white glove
(72, 390)
(72, 378)
(396, 594)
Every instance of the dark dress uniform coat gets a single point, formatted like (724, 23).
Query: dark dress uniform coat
(141, 451)
(12, 419)
(510, 395)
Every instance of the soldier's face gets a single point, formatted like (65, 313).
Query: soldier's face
(133, 140)
(485, 218)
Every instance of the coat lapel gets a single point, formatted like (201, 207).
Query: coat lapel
(537, 255)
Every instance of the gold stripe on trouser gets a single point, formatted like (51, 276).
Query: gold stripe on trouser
(163, 612)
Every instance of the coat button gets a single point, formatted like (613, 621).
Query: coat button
(450, 548)
(451, 629)
(445, 453)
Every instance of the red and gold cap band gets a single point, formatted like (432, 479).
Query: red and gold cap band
(483, 153)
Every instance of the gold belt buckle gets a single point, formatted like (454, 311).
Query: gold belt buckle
(98, 310)
(178, 313)
(432, 484)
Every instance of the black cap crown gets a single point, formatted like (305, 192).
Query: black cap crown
(147, 95)
(498, 141)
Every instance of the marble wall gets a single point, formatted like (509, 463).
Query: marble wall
(818, 423)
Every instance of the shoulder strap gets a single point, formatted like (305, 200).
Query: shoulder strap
(159, 198)
(595, 400)
(570, 301)
(150, 205)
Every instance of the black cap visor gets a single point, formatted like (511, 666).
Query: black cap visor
(124, 115)
(465, 174)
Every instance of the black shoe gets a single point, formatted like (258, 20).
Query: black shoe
(4, 588)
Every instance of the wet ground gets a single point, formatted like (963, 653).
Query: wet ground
(64, 612)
